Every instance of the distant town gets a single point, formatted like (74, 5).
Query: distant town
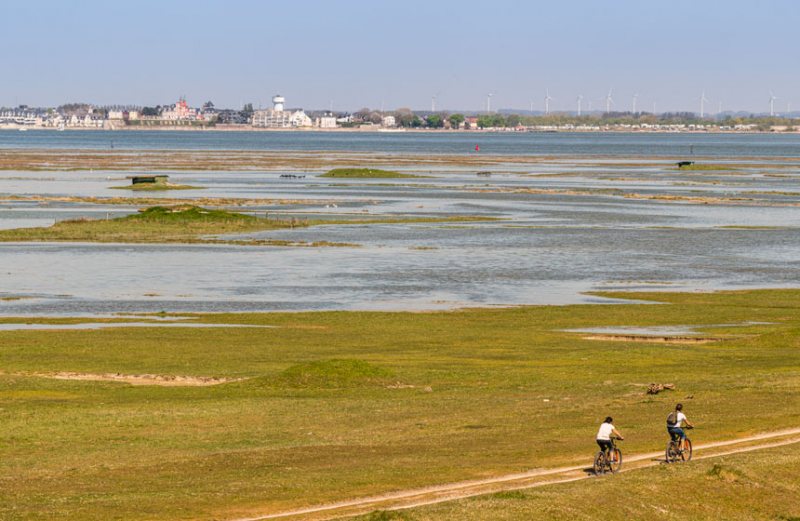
(182, 116)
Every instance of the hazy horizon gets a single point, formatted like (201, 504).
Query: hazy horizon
(353, 54)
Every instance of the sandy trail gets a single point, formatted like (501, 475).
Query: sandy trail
(534, 478)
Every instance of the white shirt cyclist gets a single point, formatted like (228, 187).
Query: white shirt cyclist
(604, 434)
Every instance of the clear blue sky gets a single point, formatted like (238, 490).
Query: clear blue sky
(400, 53)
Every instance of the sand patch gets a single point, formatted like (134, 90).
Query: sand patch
(138, 379)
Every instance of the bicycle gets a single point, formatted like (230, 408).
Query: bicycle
(610, 461)
(677, 453)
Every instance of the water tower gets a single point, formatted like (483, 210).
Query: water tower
(277, 103)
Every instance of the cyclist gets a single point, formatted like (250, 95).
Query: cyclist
(675, 423)
(607, 430)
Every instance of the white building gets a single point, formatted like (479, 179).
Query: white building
(278, 117)
(326, 121)
(300, 119)
(388, 121)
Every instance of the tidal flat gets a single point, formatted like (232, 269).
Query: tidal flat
(528, 230)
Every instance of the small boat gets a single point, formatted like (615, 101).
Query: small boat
(23, 129)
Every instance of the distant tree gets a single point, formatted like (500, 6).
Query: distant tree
(416, 122)
(456, 120)
(208, 105)
(150, 111)
(362, 114)
(434, 121)
(247, 110)
(491, 121)
(73, 108)
(375, 117)
(404, 117)
(513, 120)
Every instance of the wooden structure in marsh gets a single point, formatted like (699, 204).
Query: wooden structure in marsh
(158, 179)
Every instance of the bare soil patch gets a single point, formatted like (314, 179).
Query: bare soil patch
(138, 379)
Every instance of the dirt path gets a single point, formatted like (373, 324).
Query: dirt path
(534, 478)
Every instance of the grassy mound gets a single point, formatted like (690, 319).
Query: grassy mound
(707, 166)
(158, 224)
(366, 173)
(187, 213)
(335, 373)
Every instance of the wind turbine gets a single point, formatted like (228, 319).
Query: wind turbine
(703, 100)
(433, 101)
(489, 103)
(547, 99)
(772, 99)
(633, 104)
(580, 99)
(609, 101)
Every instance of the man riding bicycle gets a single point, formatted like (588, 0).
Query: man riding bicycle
(675, 424)
(607, 430)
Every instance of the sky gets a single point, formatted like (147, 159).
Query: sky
(350, 54)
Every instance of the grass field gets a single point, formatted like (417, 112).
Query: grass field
(344, 404)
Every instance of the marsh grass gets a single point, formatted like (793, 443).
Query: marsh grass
(335, 374)
(319, 419)
(193, 224)
(709, 166)
(185, 224)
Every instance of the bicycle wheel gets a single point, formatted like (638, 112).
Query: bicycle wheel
(600, 463)
(686, 454)
(672, 452)
(616, 461)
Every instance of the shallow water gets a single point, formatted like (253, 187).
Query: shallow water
(505, 143)
(546, 248)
